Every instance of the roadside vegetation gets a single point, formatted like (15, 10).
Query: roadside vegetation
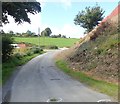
(12, 57)
(18, 58)
(99, 85)
(94, 60)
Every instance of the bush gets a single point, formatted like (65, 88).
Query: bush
(36, 50)
(6, 47)
(18, 55)
(29, 53)
(52, 47)
(49, 47)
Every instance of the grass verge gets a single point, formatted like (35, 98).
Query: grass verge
(9, 66)
(101, 86)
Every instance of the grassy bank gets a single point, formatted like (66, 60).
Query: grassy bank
(101, 86)
(47, 41)
(9, 66)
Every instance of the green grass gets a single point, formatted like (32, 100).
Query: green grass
(60, 42)
(9, 66)
(101, 86)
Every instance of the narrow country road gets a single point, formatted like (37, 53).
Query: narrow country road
(40, 80)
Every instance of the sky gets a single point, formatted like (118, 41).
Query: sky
(59, 16)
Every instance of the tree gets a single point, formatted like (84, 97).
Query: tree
(7, 40)
(43, 33)
(2, 31)
(89, 17)
(48, 31)
(11, 32)
(59, 35)
(18, 34)
(63, 36)
(29, 33)
(19, 11)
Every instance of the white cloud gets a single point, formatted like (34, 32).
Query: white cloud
(66, 2)
(35, 23)
(68, 30)
(72, 31)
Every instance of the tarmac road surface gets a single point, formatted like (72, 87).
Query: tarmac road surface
(40, 80)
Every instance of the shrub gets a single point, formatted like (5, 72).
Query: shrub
(36, 50)
(52, 47)
(29, 53)
(18, 55)
(49, 47)
(6, 46)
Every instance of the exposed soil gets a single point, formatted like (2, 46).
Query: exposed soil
(97, 53)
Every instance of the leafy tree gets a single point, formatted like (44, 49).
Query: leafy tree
(89, 17)
(33, 34)
(48, 31)
(54, 36)
(29, 33)
(18, 34)
(11, 32)
(19, 11)
(6, 47)
(59, 35)
(63, 36)
(2, 32)
(43, 33)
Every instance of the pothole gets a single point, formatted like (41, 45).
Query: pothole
(104, 100)
(54, 100)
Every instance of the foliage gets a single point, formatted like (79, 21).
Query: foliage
(18, 58)
(63, 36)
(99, 85)
(51, 47)
(36, 50)
(11, 32)
(10, 65)
(43, 33)
(18, 55)
(19, 11)
(89, 17)
(7, 48)
(46, 32)
(58, 36)
(2, 32)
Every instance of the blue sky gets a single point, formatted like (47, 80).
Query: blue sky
(59, 16)
(54, 13)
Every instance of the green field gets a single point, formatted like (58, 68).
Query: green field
(60, 42)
